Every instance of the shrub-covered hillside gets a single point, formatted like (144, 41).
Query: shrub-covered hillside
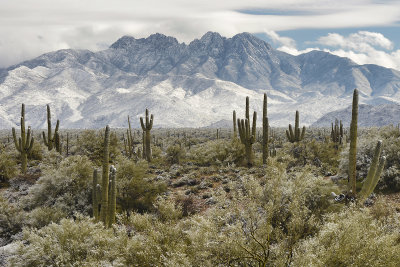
(251, 195)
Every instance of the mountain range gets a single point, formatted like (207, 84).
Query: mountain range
(186, 85)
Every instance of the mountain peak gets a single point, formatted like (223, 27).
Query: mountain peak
(123, 42)
(210, 36)
(156, 39)
(161, 39)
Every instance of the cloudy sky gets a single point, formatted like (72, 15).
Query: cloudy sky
(367, 31)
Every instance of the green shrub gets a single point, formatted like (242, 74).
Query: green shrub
(36, 152)
(42, 216)
(218, 152)
(12, 219)
(66, 188)
(8, 166)
(135, 191)
(69, 243)
(352, 238)
(175, 154)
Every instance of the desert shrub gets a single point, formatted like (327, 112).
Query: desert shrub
(8, 166)
(268, 221)
(320, 154)
(175, 154)
(91, 144)
(69, 243)
(37, 151)
(136, 191)
(12, 219)
(352, 238)
(157, 240)
(42, 216)
(67, 188)
(218, 152)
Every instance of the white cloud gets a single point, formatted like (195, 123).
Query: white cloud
(277, 39)
(360, 41)
(363, 47)
(94, 24)
(287, 44)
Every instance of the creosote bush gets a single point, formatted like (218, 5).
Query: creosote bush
(219, 152)
(175, 154)
(12, 219)
(136, 191)
(352, 237)
(67, 188)
(70, 243)
(8, 167)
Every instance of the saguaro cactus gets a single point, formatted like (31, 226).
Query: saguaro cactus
(248, 137)
(353, 145)
(105, 177)
(374, 172)
(112, 198)
(146, 127)
(337, 134)
(234, 125)
(95, 196)
(295, 136)
(24, 143)
(51, 139)
(265, 149)
(129, 135)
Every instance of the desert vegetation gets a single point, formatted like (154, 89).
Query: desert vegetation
(243, 196)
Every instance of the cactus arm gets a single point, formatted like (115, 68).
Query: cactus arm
(291, 133)
(142, 124)
(17, 145)
(150, 126)
(365, 191)
(378, 173)
(288, 135)
(254, 127)
(57, 125)
(247, 108)
(45, 139)
(303, 132)
(234, 125)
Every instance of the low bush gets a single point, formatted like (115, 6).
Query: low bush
(8, 167)
(67, 188)
(136, 191)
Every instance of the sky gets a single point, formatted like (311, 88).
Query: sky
(366, 31)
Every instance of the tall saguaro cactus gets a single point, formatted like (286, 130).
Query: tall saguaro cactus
(50, 141)
(112, 198)
(95, 196)
(146, 127)
(265, 149)
(24, 143)
(130, 143)
(234, 125)
(247, 136)
(295, 136)
(353, 144)
(105, 177)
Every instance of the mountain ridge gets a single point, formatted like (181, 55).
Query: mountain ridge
(191, 85)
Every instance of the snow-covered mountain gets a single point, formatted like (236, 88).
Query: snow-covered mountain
(186, 85)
